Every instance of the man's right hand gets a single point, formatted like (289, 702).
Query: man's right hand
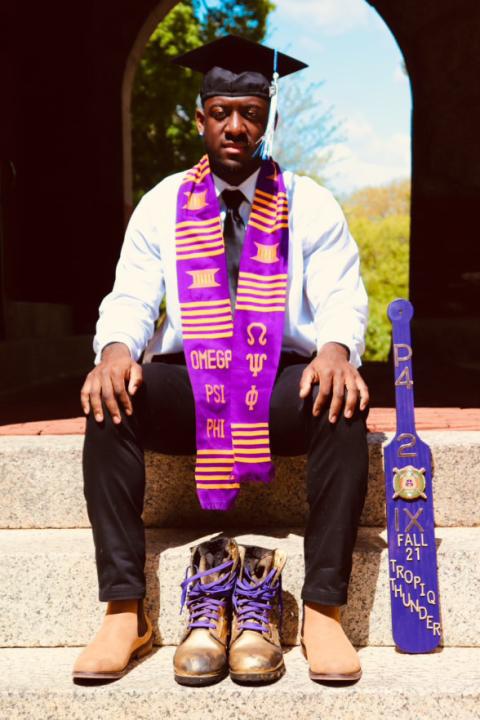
(108, 380)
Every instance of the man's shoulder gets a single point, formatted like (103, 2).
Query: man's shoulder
(311, 198)
(164, 189)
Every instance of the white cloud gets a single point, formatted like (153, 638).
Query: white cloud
(368, 158)
(334, 17)
(400, 76)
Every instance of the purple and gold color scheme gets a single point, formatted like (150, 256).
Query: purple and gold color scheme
(412, 554)
(232, 362)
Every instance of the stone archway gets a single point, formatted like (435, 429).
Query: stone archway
(62, 128)
(155, 16)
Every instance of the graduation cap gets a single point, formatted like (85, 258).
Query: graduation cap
(235, 67)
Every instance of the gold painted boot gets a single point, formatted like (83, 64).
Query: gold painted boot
(255, 649)
(201, 657)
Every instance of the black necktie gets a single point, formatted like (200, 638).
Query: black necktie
(233, 233)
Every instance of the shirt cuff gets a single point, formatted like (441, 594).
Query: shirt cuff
(99, 345)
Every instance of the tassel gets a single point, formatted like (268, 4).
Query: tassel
(265, 149)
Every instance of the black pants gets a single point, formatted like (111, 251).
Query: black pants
(163, 420)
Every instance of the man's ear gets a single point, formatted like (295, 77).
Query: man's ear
(200, 120)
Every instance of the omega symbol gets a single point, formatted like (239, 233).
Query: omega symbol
(261, 336)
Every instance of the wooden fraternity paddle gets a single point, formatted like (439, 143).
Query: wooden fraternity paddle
(412, 555)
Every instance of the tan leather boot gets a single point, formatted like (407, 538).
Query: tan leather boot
(201, 657)
(255, 648)
(126, 635)
(329, 652)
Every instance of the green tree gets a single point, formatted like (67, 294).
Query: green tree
(305, 128)
(379, 219)
(164, 138)
(376, 203)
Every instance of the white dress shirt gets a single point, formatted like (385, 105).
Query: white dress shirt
(326, 300)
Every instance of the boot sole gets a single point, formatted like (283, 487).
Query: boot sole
(200, 680)
(137, 654)
(259, 678)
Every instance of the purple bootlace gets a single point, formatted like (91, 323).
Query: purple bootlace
(253, 603)
(205, 599)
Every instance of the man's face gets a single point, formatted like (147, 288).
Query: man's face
(232, 129)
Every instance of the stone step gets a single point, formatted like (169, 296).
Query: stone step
(41, 481)
(36, 684)
(49, 585)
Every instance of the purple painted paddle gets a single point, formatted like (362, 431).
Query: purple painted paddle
(412, 554)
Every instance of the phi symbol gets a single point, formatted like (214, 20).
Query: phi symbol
(251, 397)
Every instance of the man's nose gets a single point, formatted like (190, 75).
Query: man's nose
(235, 124)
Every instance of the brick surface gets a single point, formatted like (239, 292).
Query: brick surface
(379, 420)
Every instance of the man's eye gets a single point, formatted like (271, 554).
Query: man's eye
(219, 114)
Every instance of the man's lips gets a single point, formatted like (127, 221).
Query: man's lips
(235, 147)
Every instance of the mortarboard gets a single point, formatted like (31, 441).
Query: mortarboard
(234, 67)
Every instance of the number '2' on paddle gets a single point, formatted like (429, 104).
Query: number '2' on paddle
(412, 554)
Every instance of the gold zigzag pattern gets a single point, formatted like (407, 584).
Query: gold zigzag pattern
(196, 223)
(266, 229)
(269, 196)
(269, 212)
(198, 231)
(202, 168)
(199, 239)
(249, 426)
(208, 253)
(226, 486)
(274, 221)
(262, 278)
(261, 293)
(209, 319)
(270, 308)
(246, 297)
(196, 179)
(280, 203)
(219, 462)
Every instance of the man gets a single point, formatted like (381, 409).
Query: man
(311, 319)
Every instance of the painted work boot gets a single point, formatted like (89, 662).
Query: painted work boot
(201, 657)
(255, 648)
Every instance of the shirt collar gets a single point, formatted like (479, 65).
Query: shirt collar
(247, 187)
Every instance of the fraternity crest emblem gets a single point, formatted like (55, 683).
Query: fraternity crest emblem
(409, 483)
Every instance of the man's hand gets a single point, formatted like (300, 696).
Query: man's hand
(108, 381)
(332, 370)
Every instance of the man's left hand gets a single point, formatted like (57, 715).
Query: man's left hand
(331, 369)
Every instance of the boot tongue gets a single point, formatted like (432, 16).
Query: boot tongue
(258, 565)
(211, 556)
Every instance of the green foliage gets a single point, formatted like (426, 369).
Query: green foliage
(164, 137)
(379, 220)
(305, 128)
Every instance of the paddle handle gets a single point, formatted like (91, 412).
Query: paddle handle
(400, 313)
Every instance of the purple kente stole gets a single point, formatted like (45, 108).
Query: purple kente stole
(232, 363)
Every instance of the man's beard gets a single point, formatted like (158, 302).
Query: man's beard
(232, 170)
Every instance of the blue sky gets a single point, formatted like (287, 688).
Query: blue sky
(348, 46)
